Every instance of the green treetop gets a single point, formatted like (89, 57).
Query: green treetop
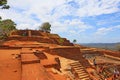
(45, 27)
(3, 4)
(6, 26)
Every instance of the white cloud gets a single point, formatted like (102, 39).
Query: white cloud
(58, 27)
(97, 7)
(28, 26)
(70, 26)
(104, 31)
(52, 10)
(78, 26)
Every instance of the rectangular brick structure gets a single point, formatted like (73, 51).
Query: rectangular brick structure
(29, 58)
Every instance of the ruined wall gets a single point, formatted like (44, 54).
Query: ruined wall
(64, 43)
(18, 32)
(36, 33)
(43, 37)
(67, 42)
(21, 32)
(53, 35)
(65, 51)
(92, 52)
(70, 53)
(39, 39)
(112, 53)
(8, 47)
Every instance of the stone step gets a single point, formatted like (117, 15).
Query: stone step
(30, 62)
(76, 64)
(78, 71)
(79, 68)
(84, 76)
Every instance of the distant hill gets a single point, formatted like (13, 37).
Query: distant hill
(110, 46)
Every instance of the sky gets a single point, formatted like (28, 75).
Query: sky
(87, 21)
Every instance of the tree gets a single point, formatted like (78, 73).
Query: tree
(6, 26)
(45, 27)
(0, 18)
(3, 4)
(74, 41)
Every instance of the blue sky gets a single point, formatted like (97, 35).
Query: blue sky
(87, 21)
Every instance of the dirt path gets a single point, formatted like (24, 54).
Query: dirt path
(10, 67)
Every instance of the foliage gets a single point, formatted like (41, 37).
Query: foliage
(0, 18)
(3, 4)
(61, 41)
(6, 26)
(74, 41)
(45, 27)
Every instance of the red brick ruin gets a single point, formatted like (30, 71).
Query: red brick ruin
(37, 55)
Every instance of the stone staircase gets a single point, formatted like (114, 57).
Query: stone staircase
(80, 70)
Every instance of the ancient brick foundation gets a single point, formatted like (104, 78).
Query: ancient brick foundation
(33, 35)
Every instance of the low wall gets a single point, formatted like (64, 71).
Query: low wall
(111, 53)
(41, 39)
(40, 36)
(91, 52)
(116, 58)
(8, 47)
(70, 53)
(30, 62)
